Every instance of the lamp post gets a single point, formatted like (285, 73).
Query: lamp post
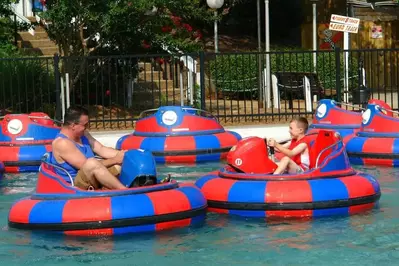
(314, 7)
(215, 4)
(260, 83)
(267, 50)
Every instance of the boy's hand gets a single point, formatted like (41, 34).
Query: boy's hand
(272, 142)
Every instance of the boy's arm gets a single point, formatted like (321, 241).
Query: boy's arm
(291, 153)
(285, 145)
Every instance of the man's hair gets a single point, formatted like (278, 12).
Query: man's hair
(302, 122)
(73, 114)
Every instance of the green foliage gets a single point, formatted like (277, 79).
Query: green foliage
(7, 25)
(302, 61)
(235, 74)
(125, 26)
(26, 84)
(238, 73)
(197, 97)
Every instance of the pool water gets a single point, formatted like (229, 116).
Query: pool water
(365, 239)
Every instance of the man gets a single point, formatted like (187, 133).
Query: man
(74, 149)
(296, 159)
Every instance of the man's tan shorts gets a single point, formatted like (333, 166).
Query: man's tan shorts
(83, 182)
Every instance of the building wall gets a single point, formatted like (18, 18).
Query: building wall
(378, 29)
(326, 39)
(24, 7)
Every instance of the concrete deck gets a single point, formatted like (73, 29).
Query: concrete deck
(277, 131)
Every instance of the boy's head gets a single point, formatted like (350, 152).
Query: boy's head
(298, 127)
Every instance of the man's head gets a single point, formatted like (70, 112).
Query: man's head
(298, 127)
(76, 119)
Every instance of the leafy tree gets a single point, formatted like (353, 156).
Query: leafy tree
(87, 27)
(7, 27)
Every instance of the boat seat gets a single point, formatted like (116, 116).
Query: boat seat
(46, 163)
(324, 139)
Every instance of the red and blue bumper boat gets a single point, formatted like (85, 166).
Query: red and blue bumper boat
(24, 139)
(176, 134)
(377, 142)
(247, 187)
(59, 206)
(2, 169)
(330, 116)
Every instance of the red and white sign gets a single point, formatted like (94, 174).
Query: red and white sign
(345, 24)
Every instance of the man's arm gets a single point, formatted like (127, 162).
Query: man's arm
(111, 156)
(291, 153)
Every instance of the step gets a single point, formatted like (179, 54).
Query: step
(36, 43)
(151, 75)
(40, 28)
(157, 84)
(150, 100)
(45, 51)
(145, 66)
(32, 19)
(26, 36)
(50, 51)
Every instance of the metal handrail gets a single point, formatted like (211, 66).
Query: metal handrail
(388, 110)
(36, 117)
(147, 111)
(209, 114)
(202, 111)
(348, 104)
(44, 160)
(325, 149)
(20, 16)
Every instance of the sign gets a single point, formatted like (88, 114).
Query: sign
(169, 118)
(376, 32)
(366, 116)
(345, 24)
(321, 111)
(328, 38)
(14, 126)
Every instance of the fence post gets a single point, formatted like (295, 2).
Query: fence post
(338, 73)
(57, 77)
(202, 78)
(16, 31)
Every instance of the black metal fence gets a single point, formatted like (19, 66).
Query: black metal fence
(236, 87)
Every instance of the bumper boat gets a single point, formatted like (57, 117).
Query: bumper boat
(330, 116)
(247, 187)
(377, 142)
(24, 139)
(176, 134)
(57, 205)
(1, 169)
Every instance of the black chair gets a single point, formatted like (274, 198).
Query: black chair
(290, 85)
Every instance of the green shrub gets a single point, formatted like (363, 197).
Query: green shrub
(235, 74)
(238, 73)
(26, 84)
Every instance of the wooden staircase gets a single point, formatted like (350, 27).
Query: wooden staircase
(154, 87)
(37, 44)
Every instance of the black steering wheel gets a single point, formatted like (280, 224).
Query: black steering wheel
(270, 150)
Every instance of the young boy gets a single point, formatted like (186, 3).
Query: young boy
(296, 159)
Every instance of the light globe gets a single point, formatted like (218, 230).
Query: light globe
(215, 4)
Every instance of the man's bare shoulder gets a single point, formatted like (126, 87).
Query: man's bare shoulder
(61, 144)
